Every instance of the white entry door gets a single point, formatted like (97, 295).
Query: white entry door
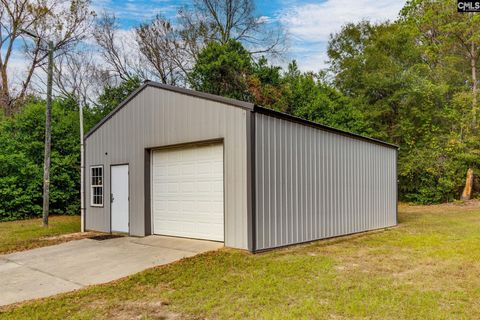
(119, 198)
(187, 192)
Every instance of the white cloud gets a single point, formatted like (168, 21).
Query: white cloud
(314, 60)
(316, 21)
(311, 24)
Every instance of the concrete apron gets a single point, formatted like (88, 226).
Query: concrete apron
(72, 265)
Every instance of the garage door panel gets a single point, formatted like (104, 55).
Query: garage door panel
(204, 186)
(173, 171)
(217, 170)
(204, 206)
(187, 191)
(187, 187)
(204, 169)
(188, 169)
(218, 188)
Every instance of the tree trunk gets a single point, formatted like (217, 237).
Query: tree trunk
(4, 94)
(473, 64)
(467, 191)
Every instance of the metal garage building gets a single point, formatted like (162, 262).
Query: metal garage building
(178, 162)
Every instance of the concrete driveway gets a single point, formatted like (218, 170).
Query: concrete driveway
(69, 266)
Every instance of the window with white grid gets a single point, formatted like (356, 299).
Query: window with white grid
(96, 186)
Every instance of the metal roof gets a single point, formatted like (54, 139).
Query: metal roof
(286, 116)
(236, 103)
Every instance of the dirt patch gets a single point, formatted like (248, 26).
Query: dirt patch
(470, 204)
(102, 237)
(71, 236)
(142, 309)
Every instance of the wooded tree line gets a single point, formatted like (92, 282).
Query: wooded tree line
(412, 82)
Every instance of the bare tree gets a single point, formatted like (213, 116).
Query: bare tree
(222, 20)
(64, 22)
(78, 77)
(121, 56)
(163, 48)
(166, 51)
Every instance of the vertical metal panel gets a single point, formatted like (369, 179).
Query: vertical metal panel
(155, 118)
(314, 184)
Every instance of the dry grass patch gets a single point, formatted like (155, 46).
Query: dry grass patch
(141, 310)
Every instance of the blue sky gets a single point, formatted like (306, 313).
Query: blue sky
(309, 23)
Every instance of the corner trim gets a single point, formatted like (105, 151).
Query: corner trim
(251, 182)
(254, 186)
(396, 186)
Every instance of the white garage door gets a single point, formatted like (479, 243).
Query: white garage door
(187, 192)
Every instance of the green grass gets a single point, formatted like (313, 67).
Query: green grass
(28, 234)
(426, 268)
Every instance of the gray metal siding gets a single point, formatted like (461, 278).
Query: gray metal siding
(313, 184)
(158, 117)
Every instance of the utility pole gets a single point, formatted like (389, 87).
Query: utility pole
(48, 137)
(48, 126)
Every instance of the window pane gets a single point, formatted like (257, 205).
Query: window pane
(97, 185)
(97, 196)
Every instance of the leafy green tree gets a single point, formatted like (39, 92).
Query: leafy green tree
(408, 78)
(223, 69)
(21, 162)
(266, 85)
(346, 60)
(378, 73)
(451, 42)
(309, 97)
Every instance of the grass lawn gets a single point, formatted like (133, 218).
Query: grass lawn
(28, 234)
(426, 268)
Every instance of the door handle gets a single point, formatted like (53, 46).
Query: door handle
(111, 197)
